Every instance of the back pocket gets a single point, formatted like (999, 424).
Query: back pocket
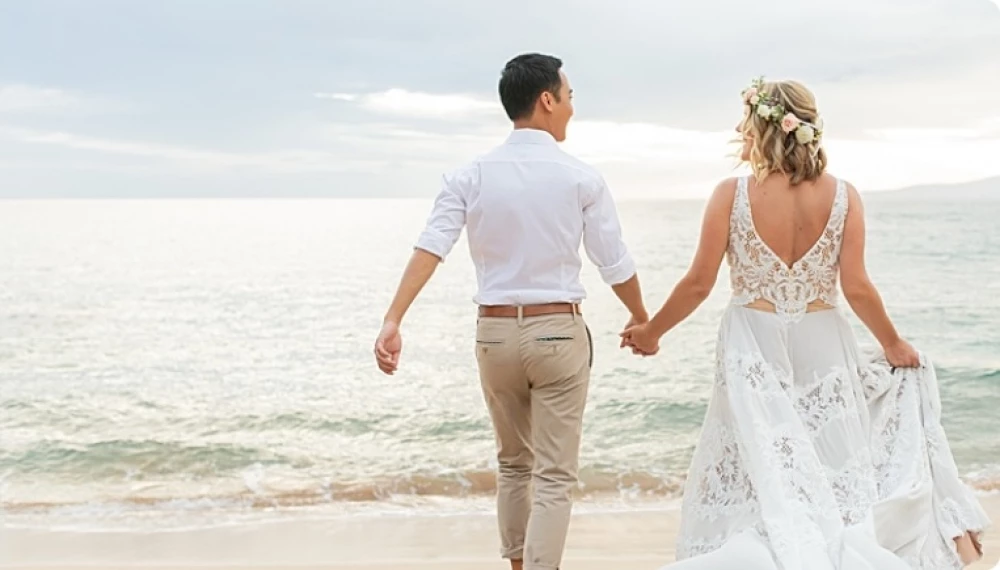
(554, 338)
(489, 348)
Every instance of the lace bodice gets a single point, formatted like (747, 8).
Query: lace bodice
(756, 272)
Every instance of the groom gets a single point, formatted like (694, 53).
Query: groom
(528, 205)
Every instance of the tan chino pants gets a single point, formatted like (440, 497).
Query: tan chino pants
(535, 372)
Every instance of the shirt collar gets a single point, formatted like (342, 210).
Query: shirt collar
(530, 136)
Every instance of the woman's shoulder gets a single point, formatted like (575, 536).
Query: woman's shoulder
(851, 192)
(721, 201)
(837, 180)
(727, 186)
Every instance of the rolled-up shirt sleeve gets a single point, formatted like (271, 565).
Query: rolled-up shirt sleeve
(447, 218)
(602, 236)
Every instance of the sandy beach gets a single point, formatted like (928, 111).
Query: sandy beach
(625, 540)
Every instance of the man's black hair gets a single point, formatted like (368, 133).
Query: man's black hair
(524, 79)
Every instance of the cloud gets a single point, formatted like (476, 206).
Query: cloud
(986, 129)
(405, 103)
(608, 141)
(20, 98)
(349, 97)
(33, 101)
(376, 99)
(639, 159)
(652, 160)
(893, 163)
(286, 160)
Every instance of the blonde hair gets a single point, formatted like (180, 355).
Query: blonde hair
(772, 150)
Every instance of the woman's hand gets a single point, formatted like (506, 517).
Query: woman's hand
(642, 339)
(901, 354)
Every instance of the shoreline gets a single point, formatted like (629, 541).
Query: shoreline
(630, 539)
(635, 494)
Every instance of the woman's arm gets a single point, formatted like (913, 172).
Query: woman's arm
(861, 293)
(700, 278)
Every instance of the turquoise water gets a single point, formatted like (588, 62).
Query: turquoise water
(214, 358)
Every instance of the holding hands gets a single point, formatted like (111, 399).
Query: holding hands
(639, 336)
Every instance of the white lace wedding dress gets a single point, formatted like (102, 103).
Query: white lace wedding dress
(814, 455)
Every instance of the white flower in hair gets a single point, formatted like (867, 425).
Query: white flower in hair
(805, 134)
(764, 111)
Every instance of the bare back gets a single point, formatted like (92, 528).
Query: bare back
(790, 220)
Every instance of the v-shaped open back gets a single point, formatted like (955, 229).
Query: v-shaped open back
(757, 272)
(816, 243)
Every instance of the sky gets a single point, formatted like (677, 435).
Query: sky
(342, 98)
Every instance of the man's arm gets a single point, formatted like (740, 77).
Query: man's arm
(630, 294)
(435, 243)
(416, 275)
(602, 240)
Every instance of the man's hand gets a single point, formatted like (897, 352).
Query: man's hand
(633, 321)
(642, 340)
(388, 345)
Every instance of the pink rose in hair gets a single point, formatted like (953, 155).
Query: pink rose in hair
(749, 95)
(789, 123)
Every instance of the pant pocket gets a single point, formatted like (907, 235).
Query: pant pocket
(489, 348)
(554, 338)
(564, 344)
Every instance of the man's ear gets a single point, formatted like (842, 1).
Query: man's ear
(548, 101)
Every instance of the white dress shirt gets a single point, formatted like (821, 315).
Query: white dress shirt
(528, 205)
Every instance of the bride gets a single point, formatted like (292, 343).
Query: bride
(813, 454)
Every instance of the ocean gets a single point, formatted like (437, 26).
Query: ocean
(177, 363)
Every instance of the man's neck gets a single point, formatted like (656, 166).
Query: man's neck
(531, 125)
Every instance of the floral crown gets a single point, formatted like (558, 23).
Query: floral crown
(769, 109)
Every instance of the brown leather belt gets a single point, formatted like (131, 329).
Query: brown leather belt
(528, 310)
